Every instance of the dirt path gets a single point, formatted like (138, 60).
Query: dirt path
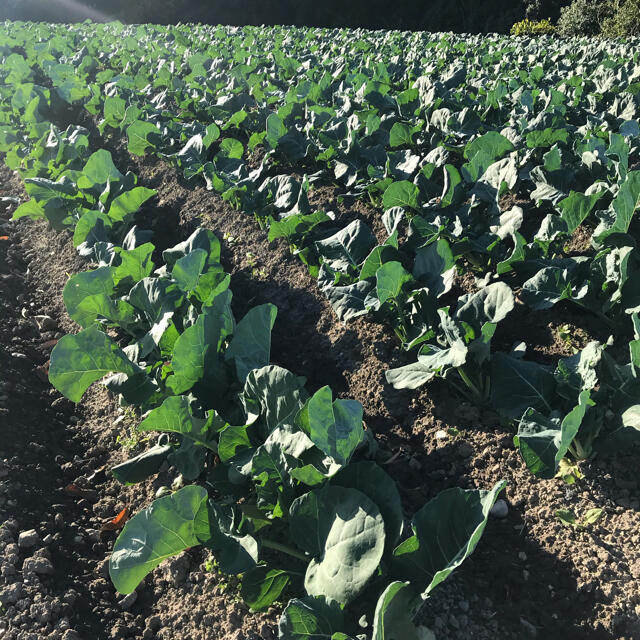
(530, 577)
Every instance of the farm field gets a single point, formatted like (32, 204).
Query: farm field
(318, 334)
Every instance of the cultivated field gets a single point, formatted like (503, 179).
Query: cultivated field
(295, 321)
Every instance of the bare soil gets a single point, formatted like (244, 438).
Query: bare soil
(530, 576)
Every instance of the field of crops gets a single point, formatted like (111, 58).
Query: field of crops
(341, 308)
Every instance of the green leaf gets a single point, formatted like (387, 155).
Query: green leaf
(493, 144)
(165, 528)
(435, 266)
(77, 361)
(250, 347)
(98, 172)
(272, 396)
(400, 135)
(376, 484)
(310, 619)
(391, 277)
(262, 586)
(446, 531)
(344, 531)
(142, 135)
(187, 270)
(575, 208)
(517, 385)
(142, 466)
(393, 618)
(401, 194)
(347, 248)
(231, 148)
(129, 202)
(196, 353)
(174, 416)
(335, 427)
(491, 304)
(543, 443)
(547, 137)
(217, 527)
(200, 239)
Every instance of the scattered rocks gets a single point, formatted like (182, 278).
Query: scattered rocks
(28, 539)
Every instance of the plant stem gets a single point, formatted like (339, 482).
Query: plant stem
(474, 389)
(276, 546)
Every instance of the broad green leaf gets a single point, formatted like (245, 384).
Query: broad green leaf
(196, 353)
(393, 618)
(446, 531)
(174, 416)
(98, 172)
(250, 347)
(217, 527)
(262, 586)
(129, 202)
(77, 361)
(575, 208)
(142, 135)
(435, 266)
(543, 442)
(165, 528)
(401, 194)
(347, 248)
(335, 427)
(273, 396)
(376, 484)
(400, 135)
(311, 618)
(344, 531)
(391, 277)
(142, 466)
(517, 385)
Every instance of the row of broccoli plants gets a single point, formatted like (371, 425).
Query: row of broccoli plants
(287, 487)
(441, 211)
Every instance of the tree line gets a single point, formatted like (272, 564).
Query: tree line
(472, 16)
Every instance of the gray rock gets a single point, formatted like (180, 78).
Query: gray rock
(11, 594)
(70, 634)
(40, 612)
(37, 565)
(28, 539)
(500, 509)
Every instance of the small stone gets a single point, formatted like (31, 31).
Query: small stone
(28, 539)
(441, 434)
(154, 623)
(38, 565)
(128, 601)
(522, 556)
(500, 509)
(464, 605)
(11, 594)
(70, 634)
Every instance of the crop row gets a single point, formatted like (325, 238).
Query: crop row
(485, 155)
(287, 488)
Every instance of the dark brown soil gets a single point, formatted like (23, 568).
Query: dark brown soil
(530, 576)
